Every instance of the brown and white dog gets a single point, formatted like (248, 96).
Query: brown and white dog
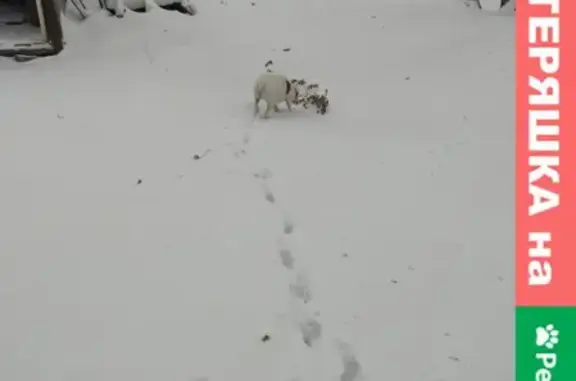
(273, 88)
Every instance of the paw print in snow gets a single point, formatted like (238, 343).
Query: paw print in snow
(547, 336)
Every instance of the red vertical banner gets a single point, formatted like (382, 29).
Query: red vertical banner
(546, 153)
(567, 76)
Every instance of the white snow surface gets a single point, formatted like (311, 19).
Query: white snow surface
(388, 221)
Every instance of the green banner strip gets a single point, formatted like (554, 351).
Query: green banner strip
(546, 344)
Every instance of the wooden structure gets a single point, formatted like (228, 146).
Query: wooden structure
(30, 27)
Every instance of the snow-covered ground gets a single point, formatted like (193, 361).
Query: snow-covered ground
(381, 232)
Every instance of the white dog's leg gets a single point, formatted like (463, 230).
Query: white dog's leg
(276, 109)
(256, 106)
(289, 105)
(119, 8)
(269, 109)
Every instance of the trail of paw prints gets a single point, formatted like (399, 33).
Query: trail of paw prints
(302, 309)
(299, 286)
(310, 329)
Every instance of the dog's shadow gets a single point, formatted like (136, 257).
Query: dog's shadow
(298, 112)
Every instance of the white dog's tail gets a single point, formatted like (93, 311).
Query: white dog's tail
(268, 66)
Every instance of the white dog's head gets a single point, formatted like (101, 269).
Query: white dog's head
(292, 92)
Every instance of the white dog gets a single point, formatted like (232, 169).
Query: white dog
(273, 88)
(118, 7)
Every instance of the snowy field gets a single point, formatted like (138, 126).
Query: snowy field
(373, 243)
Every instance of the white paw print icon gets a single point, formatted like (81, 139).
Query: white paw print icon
(547, 336)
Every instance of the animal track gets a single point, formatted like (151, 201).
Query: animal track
(263, 174)
(311, 331)
(300, 289)
(287, 258)
(240, 153)
(352, 368)
(301, 292)
(246, 138)
(288, 227)
(240, 150)
(269, 196)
